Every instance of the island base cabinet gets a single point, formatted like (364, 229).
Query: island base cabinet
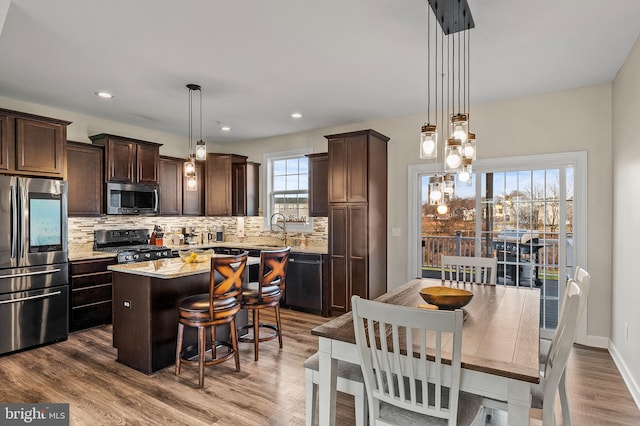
(145, 318)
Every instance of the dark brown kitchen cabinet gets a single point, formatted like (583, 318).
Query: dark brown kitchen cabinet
(193, 201)
(85, 180)
(170, 173)
(348, 165)
(218, 185)
(91, 299)
(318, 181)
(244, 188)
(32, 145)
(357, 217)
(129, 160)
(231, 187)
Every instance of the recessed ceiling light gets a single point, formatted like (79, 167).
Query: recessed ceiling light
(225, 128)
(296, 115)
(105, 95)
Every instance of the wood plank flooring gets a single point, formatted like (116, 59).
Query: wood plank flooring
(82, 371)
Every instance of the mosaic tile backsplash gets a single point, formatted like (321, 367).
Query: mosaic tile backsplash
(81, 229)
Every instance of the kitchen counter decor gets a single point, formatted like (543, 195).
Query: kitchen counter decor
(195, 255)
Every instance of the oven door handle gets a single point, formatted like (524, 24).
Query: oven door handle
(29, 274)
(22, 299)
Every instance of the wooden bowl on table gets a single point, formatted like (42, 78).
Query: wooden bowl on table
(448, 298)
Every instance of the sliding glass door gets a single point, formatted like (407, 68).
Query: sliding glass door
(521, 211)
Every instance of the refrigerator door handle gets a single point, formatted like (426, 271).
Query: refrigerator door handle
(22, 241)
(29, 274)
(22, 299)
(14, 222)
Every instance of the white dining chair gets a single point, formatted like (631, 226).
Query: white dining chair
(349, 380)
(406, 380)
(469, 269)
(543, 394)
(583, 279)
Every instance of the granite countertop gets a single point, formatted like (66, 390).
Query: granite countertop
(90, 254)
(169, 268)
(249, 246)
(76, 255)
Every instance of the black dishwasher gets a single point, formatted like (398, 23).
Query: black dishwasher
(304, 282)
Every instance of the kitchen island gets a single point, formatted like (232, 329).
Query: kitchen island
(145, 309)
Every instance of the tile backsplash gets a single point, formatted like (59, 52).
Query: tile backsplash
(81, 229)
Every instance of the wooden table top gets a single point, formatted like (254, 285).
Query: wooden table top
(500, 334)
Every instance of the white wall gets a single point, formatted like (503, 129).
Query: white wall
(566, 121)
(625, 305)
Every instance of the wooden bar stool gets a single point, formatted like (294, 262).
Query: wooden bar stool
(203, 311)
(265, 293)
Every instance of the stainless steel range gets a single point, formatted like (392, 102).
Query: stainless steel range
(131, 245)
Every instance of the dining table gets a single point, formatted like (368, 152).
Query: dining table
(500, 345)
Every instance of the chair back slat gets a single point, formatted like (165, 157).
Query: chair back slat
(402, 351)
(469, 269)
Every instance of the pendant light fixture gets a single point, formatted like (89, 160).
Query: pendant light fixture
(190, 164)
(201, 146)
(428, 132)
(458, 151)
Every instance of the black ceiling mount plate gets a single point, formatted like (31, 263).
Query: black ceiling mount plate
(453, 15)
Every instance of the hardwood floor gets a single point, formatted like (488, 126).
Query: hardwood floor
(82, 371)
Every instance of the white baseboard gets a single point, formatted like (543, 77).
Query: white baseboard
(624, 372)
(597, 341)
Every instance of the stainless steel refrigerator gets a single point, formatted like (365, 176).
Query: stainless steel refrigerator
(34, 277)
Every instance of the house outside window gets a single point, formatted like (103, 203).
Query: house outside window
(287, 189)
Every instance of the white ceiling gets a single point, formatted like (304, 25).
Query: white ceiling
(334, 61)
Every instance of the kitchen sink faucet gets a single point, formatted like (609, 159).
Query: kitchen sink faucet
(283, 227)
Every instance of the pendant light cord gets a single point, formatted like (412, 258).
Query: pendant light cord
(190, 121)
(428, 66)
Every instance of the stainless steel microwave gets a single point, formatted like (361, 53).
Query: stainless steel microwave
(132, 198)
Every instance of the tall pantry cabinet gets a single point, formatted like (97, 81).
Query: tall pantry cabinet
(357, 216)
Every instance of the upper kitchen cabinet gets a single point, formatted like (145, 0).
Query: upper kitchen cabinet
(318, 190)
(349, 168)
(32, 145)
(244, 188)
(129, 160)
(84, 174)
(170, 180)
(231, 187)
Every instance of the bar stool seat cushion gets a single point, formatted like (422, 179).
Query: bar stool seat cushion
(197, 307)
(250, 292)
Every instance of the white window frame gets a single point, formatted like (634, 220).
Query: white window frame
(267, 180)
